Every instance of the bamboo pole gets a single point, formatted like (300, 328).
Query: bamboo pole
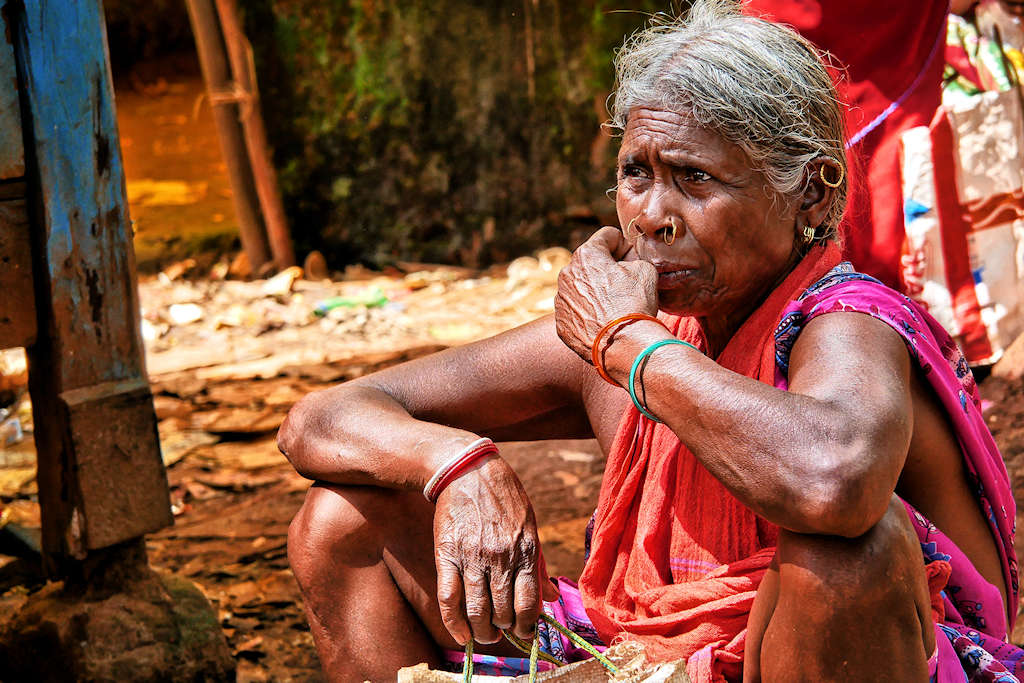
(264, 175)
(224, 102)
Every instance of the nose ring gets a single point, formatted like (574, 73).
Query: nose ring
(665, 236)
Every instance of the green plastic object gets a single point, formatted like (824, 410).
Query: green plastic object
(371, 298)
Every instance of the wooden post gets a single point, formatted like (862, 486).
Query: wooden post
(264, 175)
(224, 101)
(101, 478)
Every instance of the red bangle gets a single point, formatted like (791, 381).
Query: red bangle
(451, 470)
(595, 348)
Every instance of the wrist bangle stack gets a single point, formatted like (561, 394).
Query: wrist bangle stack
(595, 348)
(640, 359)
(456, 465)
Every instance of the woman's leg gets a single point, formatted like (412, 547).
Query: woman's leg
(840, 609)
(363, 557)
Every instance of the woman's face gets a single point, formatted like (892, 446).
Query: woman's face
(734, 242)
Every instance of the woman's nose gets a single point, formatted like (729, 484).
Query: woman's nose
(663, 228)
(656, 215)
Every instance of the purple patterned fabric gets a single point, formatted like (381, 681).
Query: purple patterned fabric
(972, 640)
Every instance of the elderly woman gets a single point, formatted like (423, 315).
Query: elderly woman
(799, 485)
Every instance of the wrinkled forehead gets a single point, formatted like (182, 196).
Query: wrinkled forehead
(672, 130)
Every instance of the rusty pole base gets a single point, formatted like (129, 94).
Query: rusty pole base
(119, 620)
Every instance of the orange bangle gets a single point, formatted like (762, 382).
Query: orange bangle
(596, 349)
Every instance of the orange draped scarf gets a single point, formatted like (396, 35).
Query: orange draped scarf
(675, 559)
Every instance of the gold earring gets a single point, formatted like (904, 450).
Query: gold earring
(672, 222)
(838, 181)
(809, 234)
(630, 225)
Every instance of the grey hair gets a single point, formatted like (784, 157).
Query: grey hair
(758, 84)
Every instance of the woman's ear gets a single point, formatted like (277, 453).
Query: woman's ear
(825, 176)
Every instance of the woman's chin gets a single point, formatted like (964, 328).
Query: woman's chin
(667, 303)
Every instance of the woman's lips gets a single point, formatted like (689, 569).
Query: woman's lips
(670, 277)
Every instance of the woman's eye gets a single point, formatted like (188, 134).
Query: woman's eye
(695, 175)
(633, 171)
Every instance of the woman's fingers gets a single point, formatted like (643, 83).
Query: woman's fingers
(610, 239)
(478, 606)
(548, 589)
(503, 613)
(449, 599)
(527, 603)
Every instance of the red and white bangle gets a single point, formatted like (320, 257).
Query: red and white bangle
(458, 464)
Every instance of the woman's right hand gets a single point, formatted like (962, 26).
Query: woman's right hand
(490, 571)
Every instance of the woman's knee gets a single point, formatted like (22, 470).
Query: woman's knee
(871, 574)
(859, 602)
(887, 557)
(332, 528)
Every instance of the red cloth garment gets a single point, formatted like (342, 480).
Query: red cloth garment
(675, 559)
(893, 55)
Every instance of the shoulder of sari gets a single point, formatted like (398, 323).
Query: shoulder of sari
(845, 290)
(841, 274)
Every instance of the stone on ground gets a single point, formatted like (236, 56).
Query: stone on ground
(155, 628)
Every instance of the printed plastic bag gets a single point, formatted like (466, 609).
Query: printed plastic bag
(963, 256)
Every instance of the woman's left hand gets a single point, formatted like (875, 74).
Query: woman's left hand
(596, 288)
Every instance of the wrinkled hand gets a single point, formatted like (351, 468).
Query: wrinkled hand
(597, 287)
(490, 573)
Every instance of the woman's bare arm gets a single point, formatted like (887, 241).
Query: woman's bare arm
(823, 457)
(394, 428)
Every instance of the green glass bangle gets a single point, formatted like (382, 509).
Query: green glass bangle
(636, 364)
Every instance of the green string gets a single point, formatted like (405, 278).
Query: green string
(536, 653)
(525, 648)
(467, 666)
(580, 642)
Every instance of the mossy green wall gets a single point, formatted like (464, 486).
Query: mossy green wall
(442, 130)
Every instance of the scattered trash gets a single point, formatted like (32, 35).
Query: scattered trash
(13, 375)
(281, 284)
(553, 259)
(151, 332)
(370, 298)
(240, 267)
(11, 432)
(544, 305)
(177, 270)
(184, 314)
(176, 444)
